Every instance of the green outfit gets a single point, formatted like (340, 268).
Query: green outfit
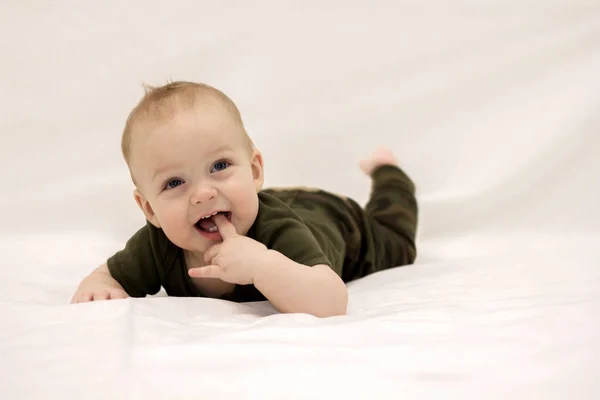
(308, 226)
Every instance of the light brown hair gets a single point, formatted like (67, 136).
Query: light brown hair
(163, 101)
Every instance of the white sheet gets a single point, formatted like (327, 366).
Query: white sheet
(493, 110)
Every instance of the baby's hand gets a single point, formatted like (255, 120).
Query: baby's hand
(236, 260)
(98, 292)
(99, 285)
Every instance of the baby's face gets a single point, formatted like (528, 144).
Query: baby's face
(192, 166)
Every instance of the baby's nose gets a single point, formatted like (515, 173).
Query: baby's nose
(203, 193)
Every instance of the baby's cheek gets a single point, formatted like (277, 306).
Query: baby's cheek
(249, 211)
(173, 217)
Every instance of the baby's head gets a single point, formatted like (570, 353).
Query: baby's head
(189, 156)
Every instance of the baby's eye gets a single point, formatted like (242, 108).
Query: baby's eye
(173, 183)
(219, 166)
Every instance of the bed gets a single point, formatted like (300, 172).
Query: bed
(494, 110)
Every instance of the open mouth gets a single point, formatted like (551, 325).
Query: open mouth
(206, 224)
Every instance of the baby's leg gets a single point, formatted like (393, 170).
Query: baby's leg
(391, 213)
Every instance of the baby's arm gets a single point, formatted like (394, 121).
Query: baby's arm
(289, 285)
(99, 285)
(295, 288)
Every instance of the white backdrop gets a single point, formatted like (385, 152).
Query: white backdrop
(493, 108)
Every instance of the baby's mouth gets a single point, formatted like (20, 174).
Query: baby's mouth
(208, 225)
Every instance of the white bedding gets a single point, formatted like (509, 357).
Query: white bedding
(494, 110)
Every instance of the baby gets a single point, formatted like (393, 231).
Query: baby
(213, 231)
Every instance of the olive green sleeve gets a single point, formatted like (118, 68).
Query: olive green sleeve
(292, 238)
(136, 267)
(281, 229)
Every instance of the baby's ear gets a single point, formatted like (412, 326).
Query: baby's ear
(257, 170)
(145, 207)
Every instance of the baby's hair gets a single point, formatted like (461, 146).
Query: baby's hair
(160, 102)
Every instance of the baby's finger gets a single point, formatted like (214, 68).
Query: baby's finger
(211, 253)
(102, 295)
(226, 228)
(85, 297)
(209, 271)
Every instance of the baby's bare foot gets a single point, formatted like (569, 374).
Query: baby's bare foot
(382, 156)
